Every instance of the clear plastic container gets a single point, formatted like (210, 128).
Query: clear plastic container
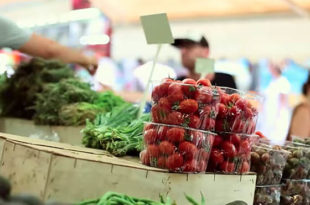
(296, 192)
(268, 162)
(267, 195)
(302, 141)
(237, 111)
(231, 153)
(176, 148)
(298, 162)
(188, 105)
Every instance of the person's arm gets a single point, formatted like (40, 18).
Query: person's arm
(49, 49)
(300, 122)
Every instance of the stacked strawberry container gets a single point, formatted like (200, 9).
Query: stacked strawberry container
(197, 127)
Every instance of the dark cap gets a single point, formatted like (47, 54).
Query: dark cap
(191, 39)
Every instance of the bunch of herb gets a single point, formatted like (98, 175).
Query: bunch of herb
(57, 95)
(119, 131)
(18, 93)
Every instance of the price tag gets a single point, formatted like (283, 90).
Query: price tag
(157, 29)
(204, 66)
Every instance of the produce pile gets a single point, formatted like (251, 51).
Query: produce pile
(197, 105)
(268, 162)
(123, 199)
(48, 92)
(281, 166)
(179, 149)
(119, 131)
(296, 192)
(267, 195)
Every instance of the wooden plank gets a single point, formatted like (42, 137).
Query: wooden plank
(26, 168)
(66, 134)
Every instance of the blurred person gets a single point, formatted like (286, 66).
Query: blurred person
(194, 46)
(275, 115)
(300, 122)
(14, 37)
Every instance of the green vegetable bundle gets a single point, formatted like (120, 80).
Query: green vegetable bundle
(19, 92)
(118, 132)
(121, 199)
(56, 95)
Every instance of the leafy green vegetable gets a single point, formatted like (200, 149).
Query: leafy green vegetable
(19, 92)
(56, 95)
(48, 92)
(118, 132)
(122, 199)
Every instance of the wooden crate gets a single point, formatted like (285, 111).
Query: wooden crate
(67, 134)
(70, 174)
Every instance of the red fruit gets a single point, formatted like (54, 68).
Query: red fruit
(164, 86)
(241, 104)
(188, 150)
(175, 135)
(224, 98)
(197, 138)
(194, 121)
(222, 125)
(166, 148)
(204, 95)
(216, 156)
(248, 113)
(150, 136)
(227, 166)
(164, 103)
(162, 132)
(204, 82)
(230, 150)
(222, 113)
(175, 93)
(149, 126)
(235, 139)
(251, 126)
(153, 151)
(217, 141)
(145, 158)
(234, 98)
(188, 106)
(208, 124)
(174, 118)
(238, 126)
(155, 113)
(159, 114)
(156, 94)
(202, 166)
(190, 166)
(202, 155)
(245, 167)
(260, 134)
(190, 88)
(234, 111)
(206, 111)
(245, 147)
(161, 163)
(189, 81)
(174, 161)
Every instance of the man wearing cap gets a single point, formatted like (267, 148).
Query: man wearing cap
(194, 46)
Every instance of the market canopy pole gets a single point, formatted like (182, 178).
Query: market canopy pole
(157, 31)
